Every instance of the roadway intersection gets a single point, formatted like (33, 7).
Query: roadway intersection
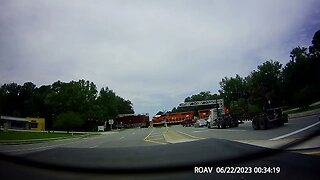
(296, 129)
(166, 153)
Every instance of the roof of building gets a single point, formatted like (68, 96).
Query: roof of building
(13, 118)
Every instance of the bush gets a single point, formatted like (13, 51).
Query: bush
(305, 96)
(68, 121)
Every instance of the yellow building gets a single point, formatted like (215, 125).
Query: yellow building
(36, 124)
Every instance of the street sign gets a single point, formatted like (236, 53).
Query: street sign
(110, 121)
(100, 128)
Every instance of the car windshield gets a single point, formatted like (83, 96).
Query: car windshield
(168, 89)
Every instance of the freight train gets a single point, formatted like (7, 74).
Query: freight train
(132, 120)
(172, 118)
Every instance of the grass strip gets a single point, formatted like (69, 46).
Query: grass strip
(19, 135)
(303, 110)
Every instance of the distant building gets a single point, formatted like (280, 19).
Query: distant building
(36, 124)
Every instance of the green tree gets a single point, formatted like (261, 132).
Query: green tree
(232, 89)
(80, 97)
(264, 85)
(160, 113)
(111, 105)
(295, 75)
(314, 49)
(26, 100)
(68, 121)
(300, 76)
(11, 103)
(314, 54)
(73, 96)
(40, 108)
(202, 96)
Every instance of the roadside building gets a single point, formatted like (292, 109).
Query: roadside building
(35, 124)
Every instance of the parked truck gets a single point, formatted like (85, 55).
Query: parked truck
(270, 118)
(214, 113)
(220, 119)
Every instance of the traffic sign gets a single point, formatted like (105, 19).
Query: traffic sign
(110, 121)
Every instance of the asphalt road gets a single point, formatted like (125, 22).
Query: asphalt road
(172, 152)
(274, 137)
(122, 138)
(296, 129)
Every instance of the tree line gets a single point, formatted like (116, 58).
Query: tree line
(76, 105)
(295, 84)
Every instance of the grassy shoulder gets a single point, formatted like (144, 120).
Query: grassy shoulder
(303, 110)
(20, 135)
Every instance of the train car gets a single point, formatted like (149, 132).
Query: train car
(132, 120)
(172, 118)
(179, 117)
(158, 120)
(204, 113)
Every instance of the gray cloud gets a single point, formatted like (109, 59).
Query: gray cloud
(154, 53)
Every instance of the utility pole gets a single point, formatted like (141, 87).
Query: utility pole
(217, 107)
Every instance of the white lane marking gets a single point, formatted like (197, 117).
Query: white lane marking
(294, 132)
(134, 133)
(221, 129)
(235, 130)
(122, 138)
(94, 146)
(195, 137)
(200, 131)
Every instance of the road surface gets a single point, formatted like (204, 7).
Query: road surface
(171, 152)
(273, 138)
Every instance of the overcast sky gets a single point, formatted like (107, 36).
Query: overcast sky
(154, 53)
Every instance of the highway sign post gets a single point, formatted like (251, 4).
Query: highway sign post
(110, 122)
(100, 128)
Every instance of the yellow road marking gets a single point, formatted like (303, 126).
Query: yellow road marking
(149, 134)
(155, 142)
(152, 140)
(312, 153)
(195, 137)
(155, 139)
